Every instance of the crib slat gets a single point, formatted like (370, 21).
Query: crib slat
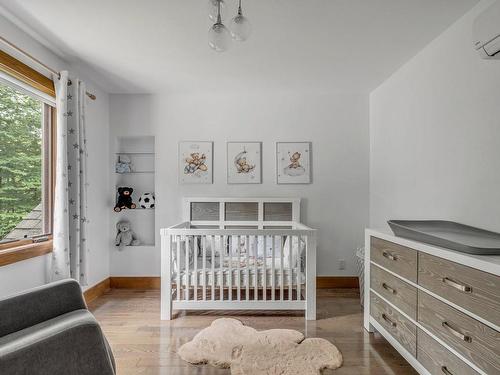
(298, 268)
(213, 269)
(282, 249)
(195, 268)
(186, 267)
(273, 253)
(256, 274)
(290, 268)
(178, 259)
(264, 271)
(230, 276)
(247, 247)
(238, 250)
(204, 273)
(221, 279)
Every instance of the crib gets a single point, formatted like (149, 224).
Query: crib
(239, 254)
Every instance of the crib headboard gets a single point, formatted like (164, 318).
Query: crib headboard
(258, 213)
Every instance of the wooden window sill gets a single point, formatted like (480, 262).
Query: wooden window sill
(23, 252)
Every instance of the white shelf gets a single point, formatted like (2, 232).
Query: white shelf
(139, 172)
(134, 153)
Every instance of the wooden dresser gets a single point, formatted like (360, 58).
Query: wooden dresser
(439, 308)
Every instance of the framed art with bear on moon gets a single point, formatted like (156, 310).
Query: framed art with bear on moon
(293, 162)
(195, 162)
(244, 162)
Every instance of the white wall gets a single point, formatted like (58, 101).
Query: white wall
(337, 125)
(32, 272)
(435, 135)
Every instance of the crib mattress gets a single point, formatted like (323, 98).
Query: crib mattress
(230, 277)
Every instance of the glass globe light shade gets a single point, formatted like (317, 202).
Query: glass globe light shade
(219, 37)
(240, 28)
(213, 8)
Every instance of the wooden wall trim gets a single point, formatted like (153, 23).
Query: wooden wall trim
(97, 290)
(333, 282)
(153, 282)
(19, 70)
(137, 282)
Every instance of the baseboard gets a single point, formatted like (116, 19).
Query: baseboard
(153, 282)
(135, 282)
(97, 290)
(333, 282)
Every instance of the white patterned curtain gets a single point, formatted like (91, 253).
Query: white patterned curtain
(69, 258)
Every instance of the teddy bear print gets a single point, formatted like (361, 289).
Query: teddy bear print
(195, 162)
(294, 168)
(241, 163)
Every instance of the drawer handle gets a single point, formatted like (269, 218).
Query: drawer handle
(456, 333)
(388, 288)
(386, 318)
(388, 255)
(445, 370)
(454, 284)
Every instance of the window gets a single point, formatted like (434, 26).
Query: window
(27, 157)
(25, 185)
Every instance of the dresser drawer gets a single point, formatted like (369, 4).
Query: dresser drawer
(474, 290)
(438, 360)
(404, 331)
(399, 259)
(471, 338)
(395, 290)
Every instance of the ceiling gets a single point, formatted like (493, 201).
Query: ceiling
(161, 45)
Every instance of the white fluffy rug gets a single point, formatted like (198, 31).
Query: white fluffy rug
(228, 343)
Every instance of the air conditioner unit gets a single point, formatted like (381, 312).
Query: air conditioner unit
(486, 31)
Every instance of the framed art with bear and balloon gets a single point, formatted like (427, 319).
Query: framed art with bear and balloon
(293, 162)
(244, 162)
(195, 162)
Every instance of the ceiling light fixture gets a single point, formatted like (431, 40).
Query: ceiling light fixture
(219, 37)
(240, 26)
(213, 8)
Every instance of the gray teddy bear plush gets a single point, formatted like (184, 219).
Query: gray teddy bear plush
(125, 236)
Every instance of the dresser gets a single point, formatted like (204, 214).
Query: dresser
(439, 308)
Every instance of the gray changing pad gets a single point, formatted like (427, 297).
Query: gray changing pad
(448, 234)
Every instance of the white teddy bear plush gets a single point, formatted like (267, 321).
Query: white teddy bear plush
(125, 236)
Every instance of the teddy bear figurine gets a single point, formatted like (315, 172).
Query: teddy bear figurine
(125, 235)
(124, 199)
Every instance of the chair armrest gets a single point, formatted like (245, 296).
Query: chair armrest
(39, 304)
(70, 344)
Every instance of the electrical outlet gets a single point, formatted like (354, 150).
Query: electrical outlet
(342, 264)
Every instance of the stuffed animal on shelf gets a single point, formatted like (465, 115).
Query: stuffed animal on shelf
(125, 235)
(124, 199)
(124, 164)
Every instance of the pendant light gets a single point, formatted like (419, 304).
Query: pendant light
(240, 26)
(213, 8)
(219, 37)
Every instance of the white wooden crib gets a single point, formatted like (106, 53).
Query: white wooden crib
(239, 254)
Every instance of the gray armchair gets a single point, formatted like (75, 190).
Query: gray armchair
(49, 331)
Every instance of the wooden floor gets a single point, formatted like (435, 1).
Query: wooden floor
(143, 344)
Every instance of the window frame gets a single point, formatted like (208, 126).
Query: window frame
(18, 250)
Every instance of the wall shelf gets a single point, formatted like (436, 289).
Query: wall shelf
(141, 150)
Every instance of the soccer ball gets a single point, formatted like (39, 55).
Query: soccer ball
(147, 200)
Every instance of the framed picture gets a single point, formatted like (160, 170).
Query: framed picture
(293, 162)
(244, 162)
(195, 162)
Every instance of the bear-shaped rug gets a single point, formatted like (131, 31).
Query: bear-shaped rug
(227, 343)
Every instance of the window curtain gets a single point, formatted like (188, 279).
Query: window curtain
(70, 254)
